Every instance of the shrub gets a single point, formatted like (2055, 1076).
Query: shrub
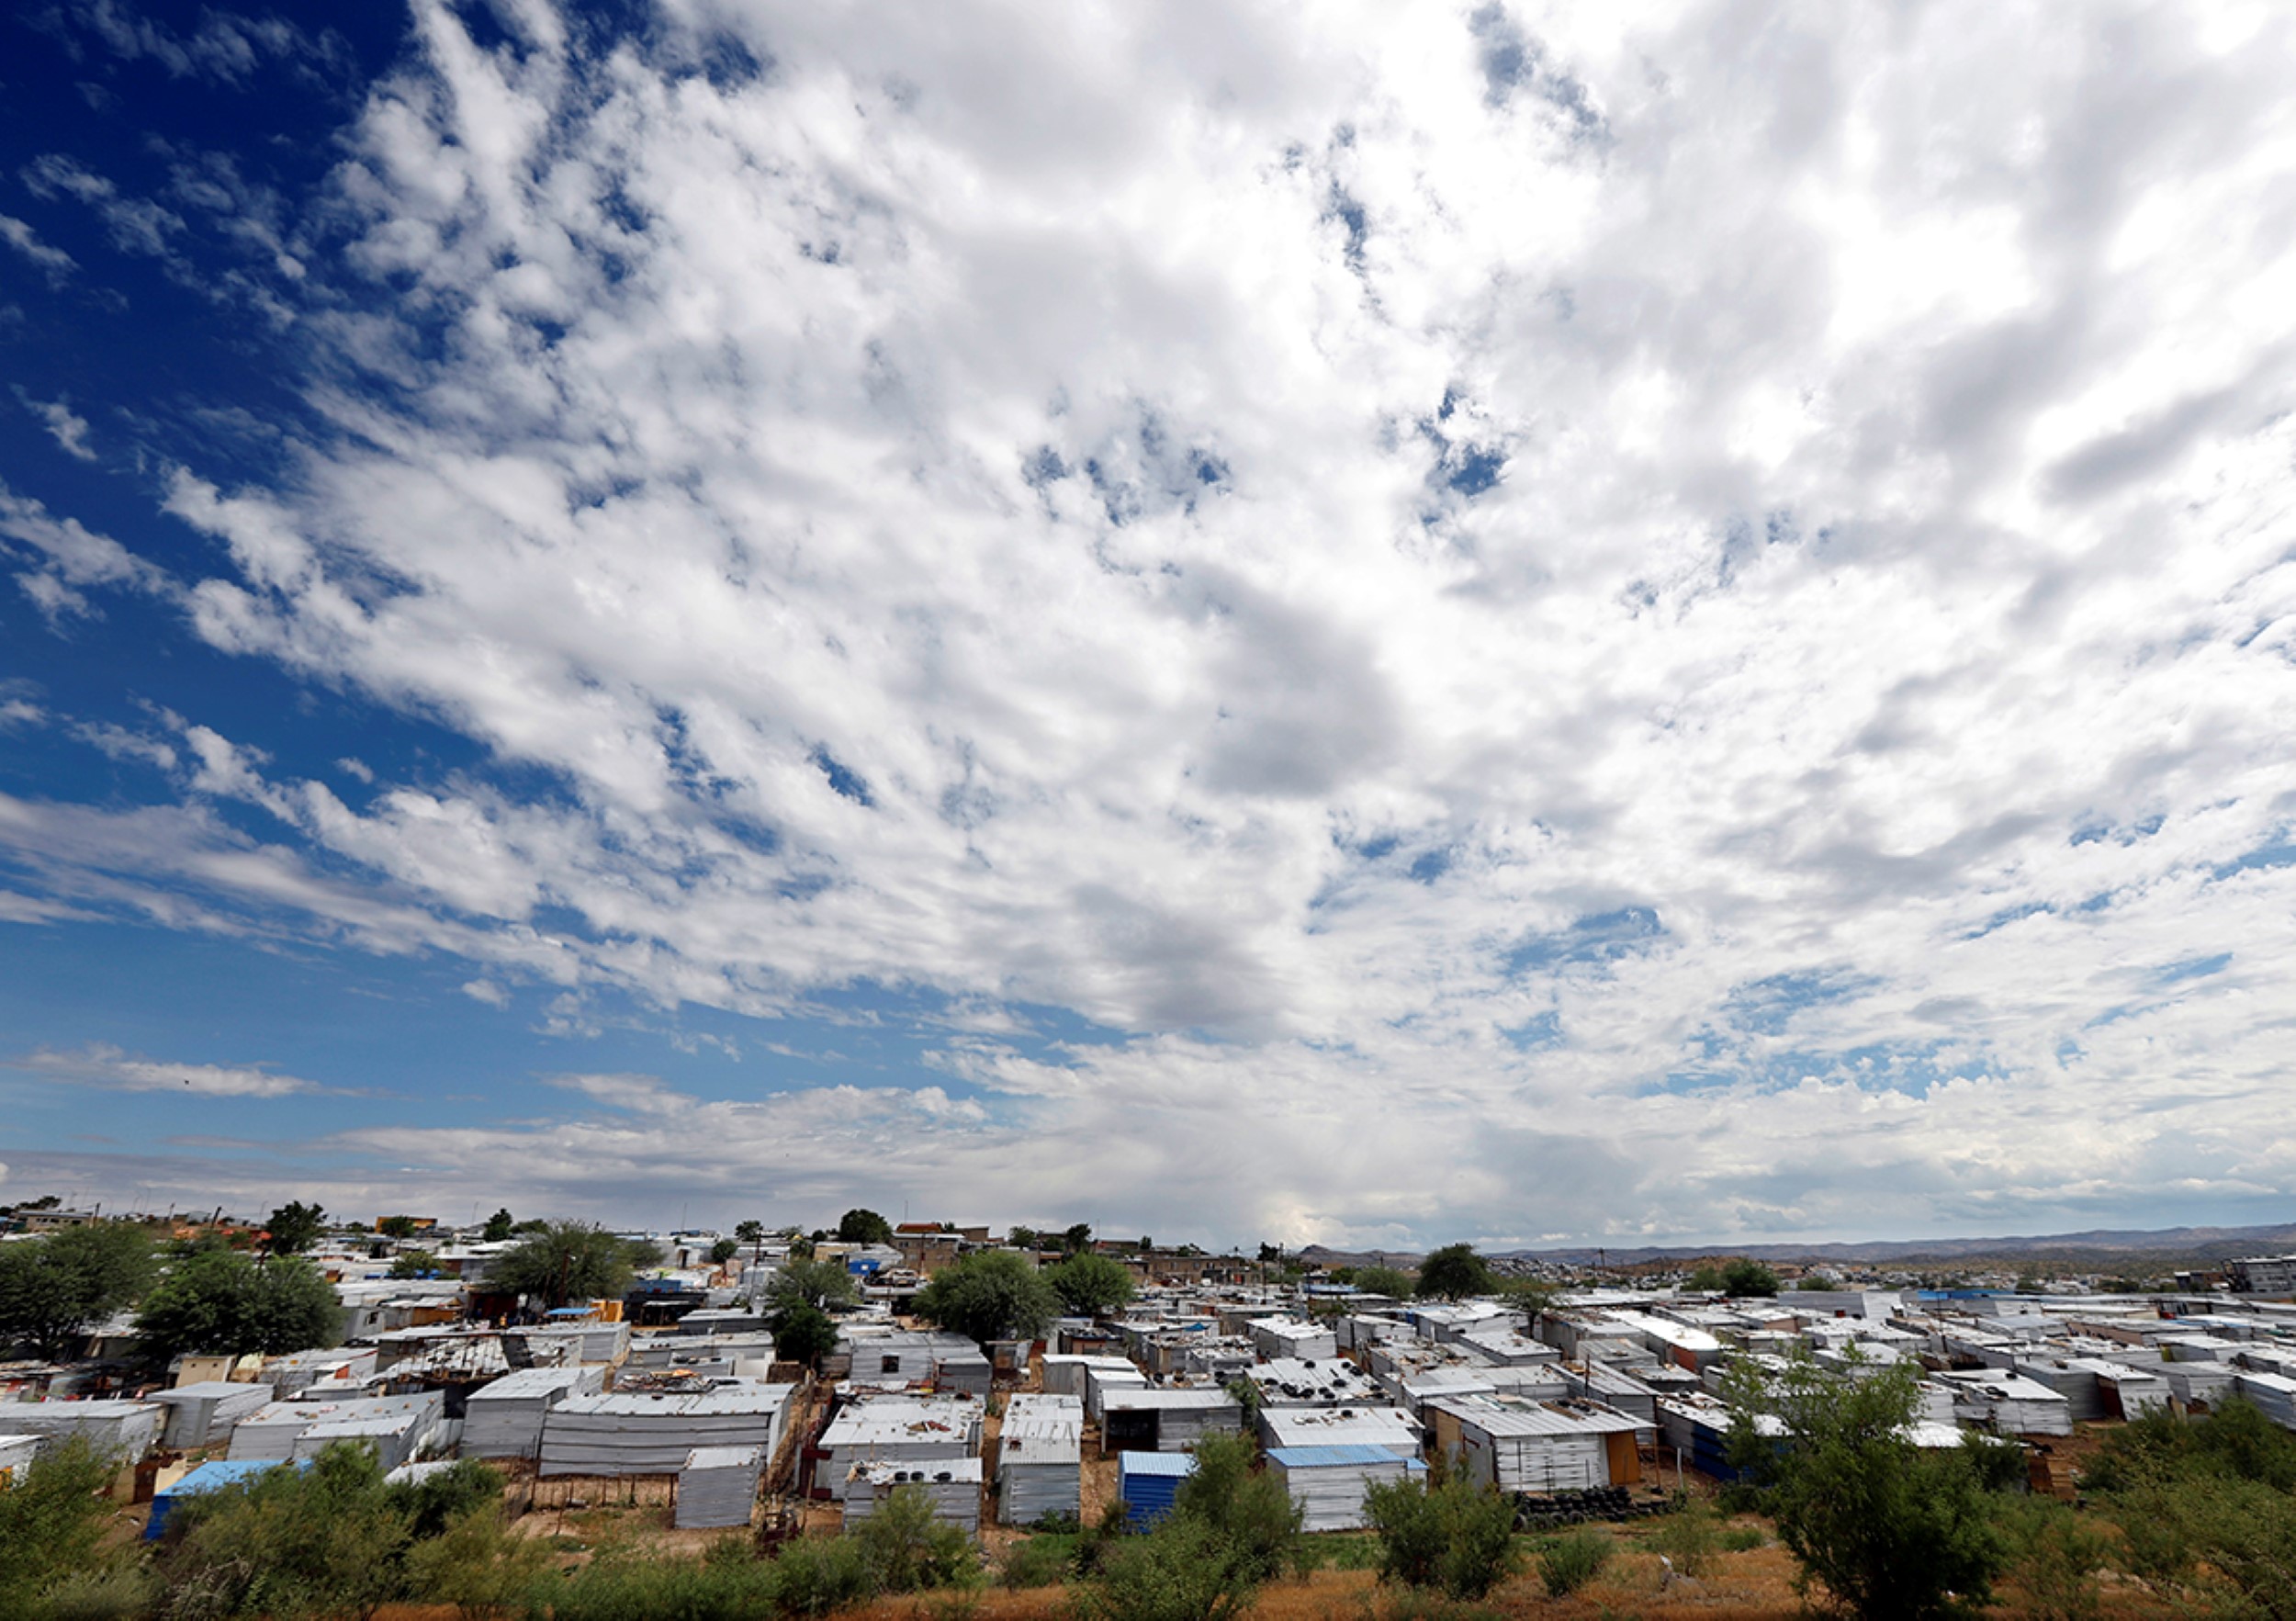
(1690, 1537)
(816, 1575)
(52, 1523)
(1249, 1510)
(108, 1592)
(1451, 1536)
(1039, 1562)
(1570, 1563)
(904, 1549)
(1184, 1570)
(633, 1588)
(477, 1564)
(328, 1540)
(2058, 1556)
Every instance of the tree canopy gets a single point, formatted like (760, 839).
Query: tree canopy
(1892, 1531)
(857, 1226)
(804, 1332)
(990, 1296)
(1091, 1285)
(565, 1260)
(54, 1289)
(223, 1302)
(1455, 1272)
(1383, 1280)
(294, 1228)
(499, 1226)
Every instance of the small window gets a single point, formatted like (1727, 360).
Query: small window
(891, 1365)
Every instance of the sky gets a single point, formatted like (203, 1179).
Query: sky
(1365, 623)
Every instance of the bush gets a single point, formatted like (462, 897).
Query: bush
(477, 1564)
(632, 1588)
(904, 1549)
(1184, 1570)
(110, 1592)
(52, 1523)
(1040, 1562)
(1451, 1536)
(1570, 1563)
(327, 1540)
(1249, 1510)
(817, 1575)
(1690, 1537)
(2058, 1557)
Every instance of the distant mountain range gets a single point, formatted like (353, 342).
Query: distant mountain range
(2097, 1243)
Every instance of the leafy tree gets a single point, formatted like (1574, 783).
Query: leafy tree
(1077, 1239)
(565, 1260)
(906, 1549)
(857, 1226)
(820, 1283)
(54, 1290)
(223, 1302)
(753, 1235)
(398, 1227)
(1090, 1284)
(1231, 1530)
(1745, 1278)
(725, 1250)
(1893, 1532)
(1706, 1279)
(989, 1296)
(499, 1226)
(641, 1254)
(413, 1263)
(478, 1564)
(1024, 1238)
(1249, 1507)
(294, 1228)
(801, 1333)
(1455, 1272)
(1384, 1281)
(51, 1525)
(1447, 1533)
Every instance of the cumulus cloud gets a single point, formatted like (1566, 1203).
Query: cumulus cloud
(1606, 622)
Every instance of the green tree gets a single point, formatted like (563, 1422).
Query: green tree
(51, 1526)
(565, 1260)
(1077, 1239)
(221, 1302)
(2207, 1509)
(328, 1540)
(1746, 1278)
(991, 1295)
(753, 1235)
(413, 1263)
(1247, 1506)
(398, 1226)
(1706, 1279)
(1395, 1283)
(801, 1333)
(499, 1226)
(725, 1250)
(1090, 1284)
(294, 1228)
(1455, 1272)
(1892, 1532)
(820, 1283)
(857, 1226)
(54, 1290)
(1024, 1238)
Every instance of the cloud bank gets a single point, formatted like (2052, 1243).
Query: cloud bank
(1566, 621)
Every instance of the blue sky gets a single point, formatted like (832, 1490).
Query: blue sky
(1373, 625)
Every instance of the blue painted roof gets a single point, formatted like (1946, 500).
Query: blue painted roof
(1328, 1457)
(212, 1476)
(1175, 1465)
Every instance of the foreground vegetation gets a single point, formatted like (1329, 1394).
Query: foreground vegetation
(2183, 1519)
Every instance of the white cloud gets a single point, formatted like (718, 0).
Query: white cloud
(107, 1067)
(1607, 619)
(65, 426)
(53, 261)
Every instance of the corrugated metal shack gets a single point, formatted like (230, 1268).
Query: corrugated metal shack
(204, 1414)
(1039, 1454)
(1298, 1381)
(717, 1487)
(621, 1434)
(114, 1428)
(1146, 1483)
(1165, 1420)
(1520, 1445)
(904, 1431)
(953, 1485)
(1339, 1426)
(1328, 1483)
(504, 1419)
